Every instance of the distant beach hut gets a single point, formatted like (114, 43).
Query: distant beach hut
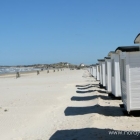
(97, 72)
(130, 76)
(115, 74)
(102, 72)
(108, 74)
(90, 70)
(94, 70)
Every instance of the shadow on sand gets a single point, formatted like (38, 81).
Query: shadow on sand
(86, 98)
(94, 134)
(83, 85)
(87, 76)
(101, 91)
(104, 110)
(86, 87)
(88, 91)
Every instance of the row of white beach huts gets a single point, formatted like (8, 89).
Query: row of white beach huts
(119, 74)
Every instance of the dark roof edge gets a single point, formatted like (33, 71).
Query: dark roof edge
(101, 60)
(136, 38)
(93, 65)
(111, 52)
(128, 48)
(107, 57)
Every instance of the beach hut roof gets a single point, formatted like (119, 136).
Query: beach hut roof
(101, 60)
(93, 65)
(137, 39)
(107, 57)
(97, 63)
(109, 54)
(128, 48)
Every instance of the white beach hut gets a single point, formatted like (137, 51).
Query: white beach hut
(130, 76)
(102, 72)
(97, 72)
(115, 74)
(94, 70)
(88, 69)
(91, 70)
(108, 74)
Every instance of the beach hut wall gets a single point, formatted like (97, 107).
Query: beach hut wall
(88, 69)
(102, 72)
(97, 72)
(94, 71)
(91, 70)
(108, 74)
(115, 74)
(130, 76)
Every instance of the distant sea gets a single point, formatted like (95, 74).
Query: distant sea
(6, 70)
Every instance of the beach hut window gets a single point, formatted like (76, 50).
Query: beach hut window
(123, 69)
(112, 67)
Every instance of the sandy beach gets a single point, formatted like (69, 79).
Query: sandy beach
(61, 105)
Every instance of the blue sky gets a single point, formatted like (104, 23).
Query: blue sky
(75, 31)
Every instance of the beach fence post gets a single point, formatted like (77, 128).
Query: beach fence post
(37, 72)
(48, 71)
(17, 75)
(58, 69)
(53, 70)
